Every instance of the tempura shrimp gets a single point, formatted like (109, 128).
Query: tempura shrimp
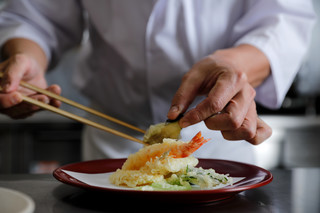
(169, 147)
(155, 162)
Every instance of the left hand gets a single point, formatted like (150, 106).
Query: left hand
(229, 105)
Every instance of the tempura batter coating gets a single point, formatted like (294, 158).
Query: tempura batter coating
(152, 163)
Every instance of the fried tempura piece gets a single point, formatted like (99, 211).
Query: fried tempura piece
(176, 149)
(156, 133)
(152, 163)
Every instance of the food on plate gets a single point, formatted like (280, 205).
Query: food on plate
(167, 166)
(156, 133)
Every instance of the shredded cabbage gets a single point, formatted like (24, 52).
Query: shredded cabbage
(188, 178)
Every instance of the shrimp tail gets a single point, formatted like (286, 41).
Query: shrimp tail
(189, 148)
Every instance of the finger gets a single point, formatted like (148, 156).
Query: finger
(54, 88)
(232, 117)
(225, 88)
(57, 90)
(10, 100)
(23, 109)
(2, 74)
(248, 128)
(3, 66)
(264, 131)
(185, 95)
(13, 73)
(15, 113)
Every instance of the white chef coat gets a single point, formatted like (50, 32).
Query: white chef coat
(138, 50)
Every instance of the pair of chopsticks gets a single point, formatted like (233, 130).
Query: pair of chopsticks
(76, 117)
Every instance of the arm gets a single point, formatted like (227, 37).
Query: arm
(32, 35)
(43, 22)
(282, 32)
(269, 42)
(247, 59)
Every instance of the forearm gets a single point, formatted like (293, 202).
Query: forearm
(24, 46)
(247, 59)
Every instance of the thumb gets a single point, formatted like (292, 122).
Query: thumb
(183, 98)
(13, 73)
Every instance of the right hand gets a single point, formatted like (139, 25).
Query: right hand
(22, 67)
(229, 105)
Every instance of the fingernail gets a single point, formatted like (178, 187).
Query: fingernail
(174, 109)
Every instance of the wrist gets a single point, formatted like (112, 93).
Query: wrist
(21, 46)
(246, 59)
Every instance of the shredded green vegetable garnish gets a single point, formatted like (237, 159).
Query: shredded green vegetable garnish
(204, 178)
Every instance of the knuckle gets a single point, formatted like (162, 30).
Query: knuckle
(235, 122)
(268, 131)
(252, 92)
(197, 115)
(9, 100)
(194, 116)
(241, 77)
(256, 141)
(177, 97)
(216, 105)
(55, 88)
(20, 61)
(248, 133)
(20, 58)
(186, 76)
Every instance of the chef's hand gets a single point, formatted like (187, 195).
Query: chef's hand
(227, 78)
(24, 61)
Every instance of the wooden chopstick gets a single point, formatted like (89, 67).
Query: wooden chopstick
(80, 106)
(78, 118)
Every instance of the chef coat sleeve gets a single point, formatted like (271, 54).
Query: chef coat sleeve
(55, 25)
(282, 31)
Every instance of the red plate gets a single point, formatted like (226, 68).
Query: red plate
(253, 177)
